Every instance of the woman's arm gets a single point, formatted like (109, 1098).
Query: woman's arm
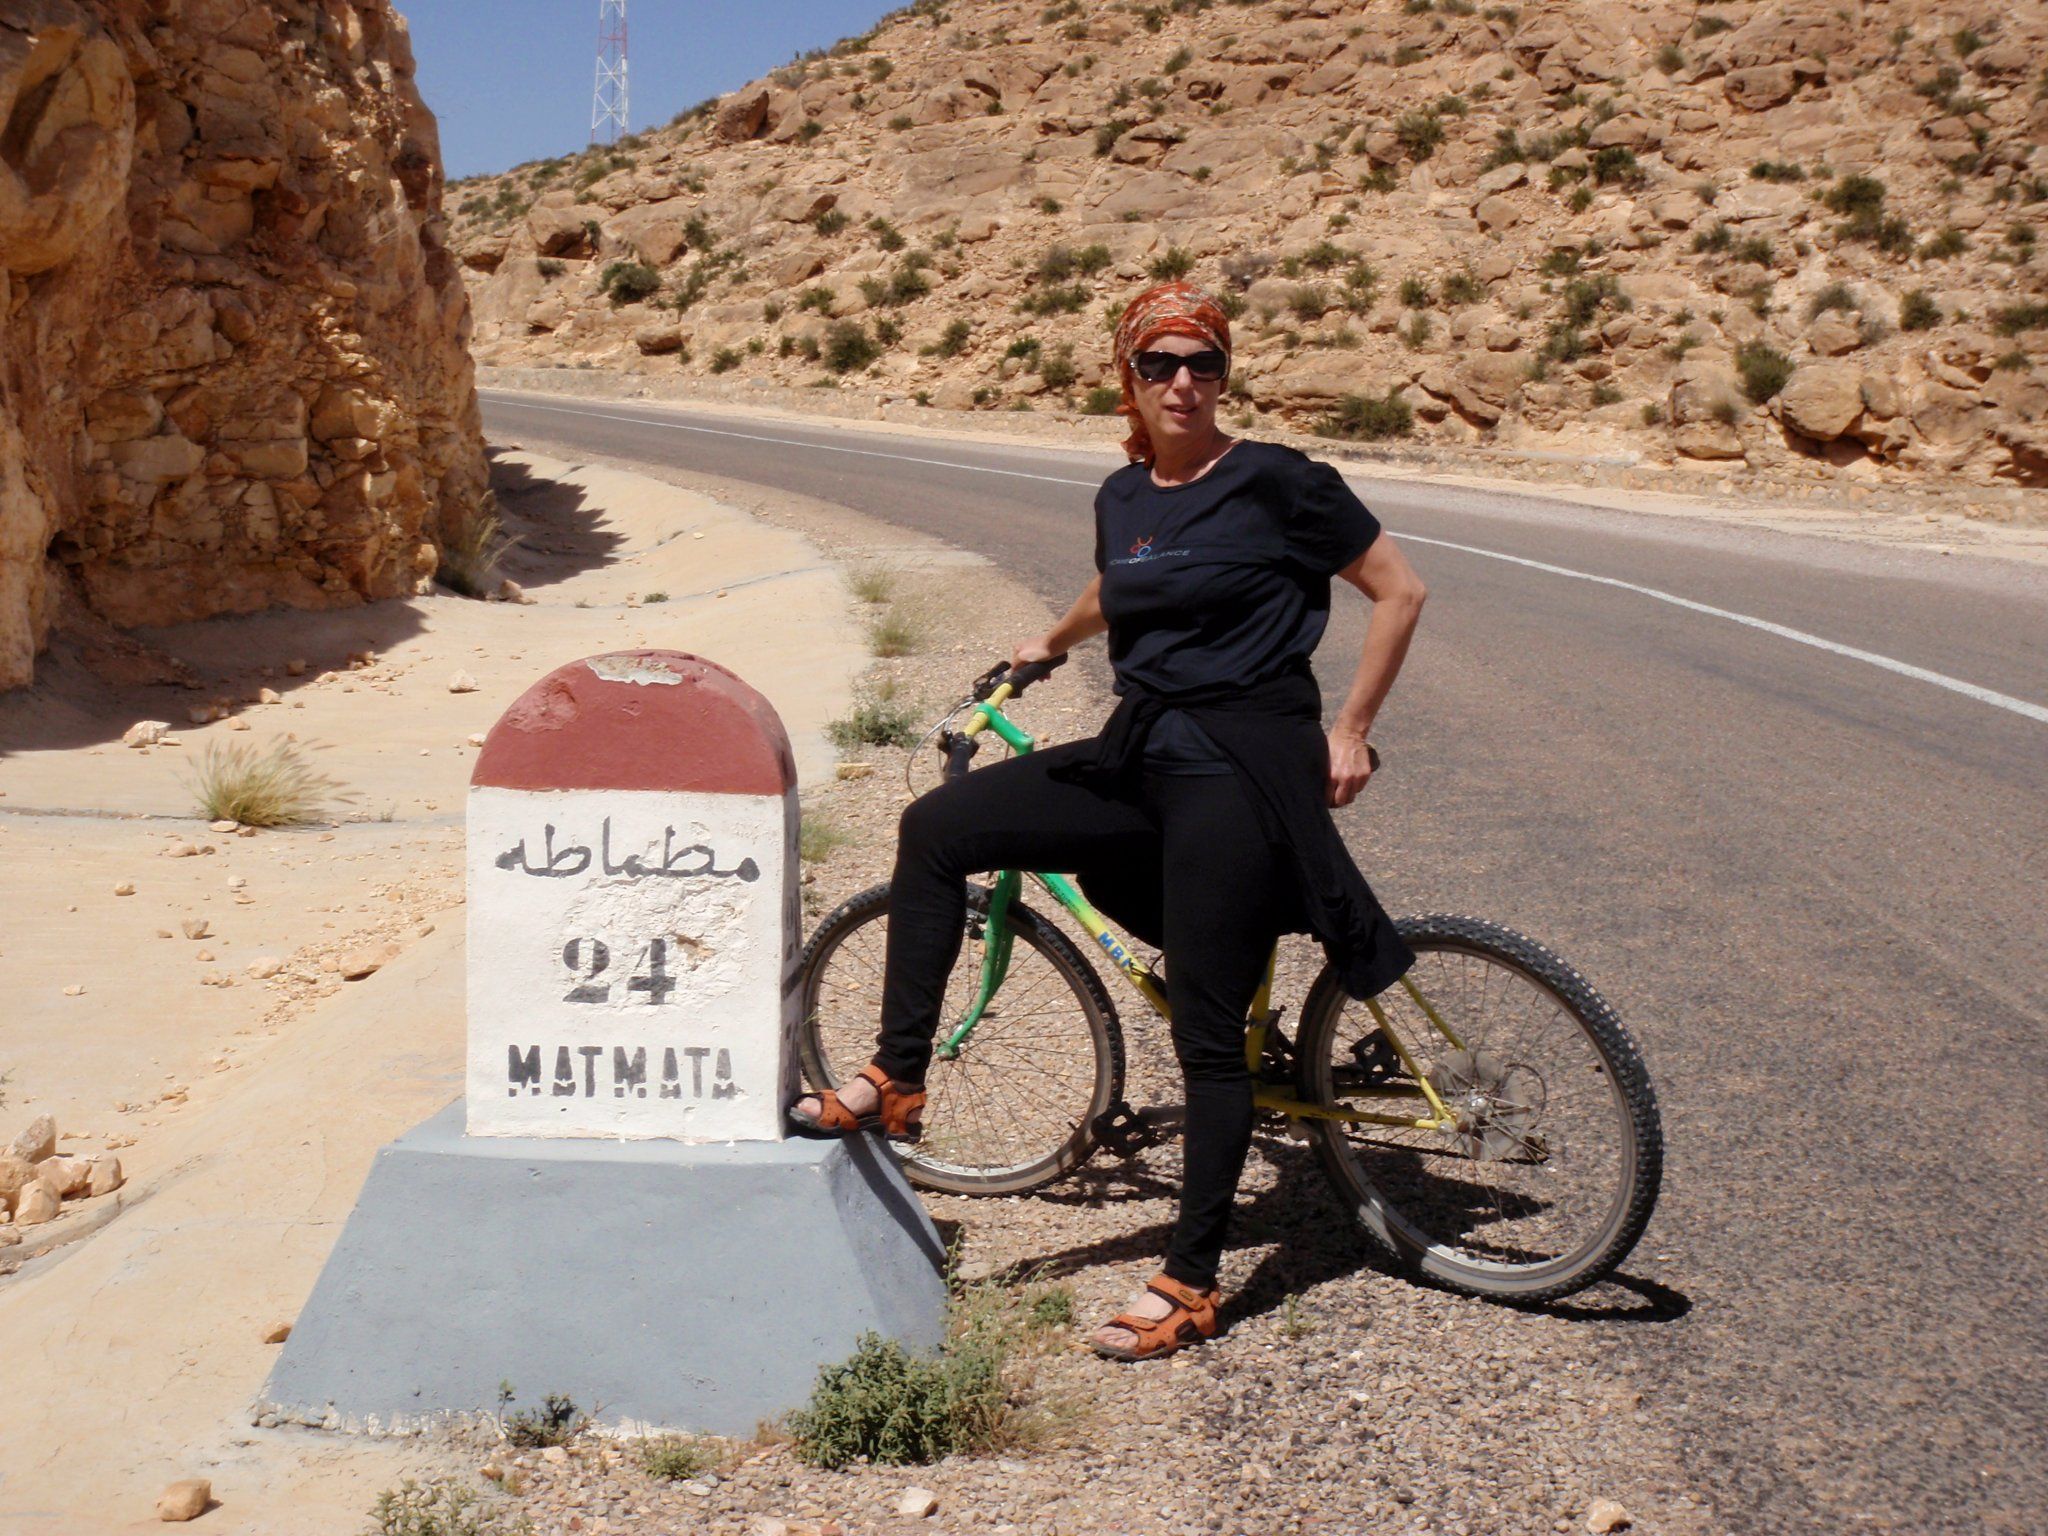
(1383, 574)
(1083, 620)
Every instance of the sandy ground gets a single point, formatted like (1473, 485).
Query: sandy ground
(2004, 522)
(246, 1111)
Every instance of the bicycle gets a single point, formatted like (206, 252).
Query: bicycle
(1488, 1118)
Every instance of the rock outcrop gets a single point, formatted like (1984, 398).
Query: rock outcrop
(1792, 237)
(233, 347)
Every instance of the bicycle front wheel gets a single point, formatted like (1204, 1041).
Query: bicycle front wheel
(1550, 1173)
(1015, 1109)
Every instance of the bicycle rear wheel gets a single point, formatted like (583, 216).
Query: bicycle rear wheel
(1015, 1109)
(1551, 1175)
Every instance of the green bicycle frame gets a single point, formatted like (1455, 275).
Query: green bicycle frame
(995, 966)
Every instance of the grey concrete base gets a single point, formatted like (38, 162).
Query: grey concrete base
(665, 1286)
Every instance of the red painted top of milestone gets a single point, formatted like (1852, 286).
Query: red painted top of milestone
(639, 720)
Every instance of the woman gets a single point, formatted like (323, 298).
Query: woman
(1212, 780)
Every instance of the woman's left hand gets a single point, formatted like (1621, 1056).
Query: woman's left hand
(1350, 767)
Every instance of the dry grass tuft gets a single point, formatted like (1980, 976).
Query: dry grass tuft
(275, 787)
(470, 555)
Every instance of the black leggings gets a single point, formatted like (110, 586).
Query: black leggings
(1227, 891)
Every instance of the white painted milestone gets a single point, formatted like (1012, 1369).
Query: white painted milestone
(632, 951)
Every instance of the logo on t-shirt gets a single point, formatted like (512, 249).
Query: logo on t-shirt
(1142, 550)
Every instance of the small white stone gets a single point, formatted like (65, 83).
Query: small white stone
(146, 733)
(186, 1499)
(76, 989)
(917, 1503)
(1606, 1515)
(476, 738)
(125, 888)
(196, 927)
(263, 967)
(462, 682)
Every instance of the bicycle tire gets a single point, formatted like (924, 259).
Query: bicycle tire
(1366, 1165)
(946, 1160)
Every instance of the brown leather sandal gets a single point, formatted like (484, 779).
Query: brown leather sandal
(898, 1113)
(1192, 1320)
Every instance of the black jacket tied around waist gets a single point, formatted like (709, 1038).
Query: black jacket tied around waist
(1272, 733)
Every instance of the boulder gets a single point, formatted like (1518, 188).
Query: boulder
(1755, 89)
(186, 1499)
(659, 338)
(1834, 333)
(742, 116)
(36, 1141)
(35, 1204)
(16, 1174)
(564, 230)
(66, 1176)
(103, 1175)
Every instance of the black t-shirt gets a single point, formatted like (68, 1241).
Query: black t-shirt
(1226, 579)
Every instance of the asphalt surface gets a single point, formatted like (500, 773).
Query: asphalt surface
(1815, 887)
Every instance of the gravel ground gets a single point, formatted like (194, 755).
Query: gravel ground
(1341, 1398)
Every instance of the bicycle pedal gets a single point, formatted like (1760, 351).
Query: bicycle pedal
(1123, 1130)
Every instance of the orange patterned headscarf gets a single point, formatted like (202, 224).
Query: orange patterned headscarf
(1170, 309)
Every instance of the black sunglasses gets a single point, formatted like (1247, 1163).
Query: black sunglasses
(1158, 367)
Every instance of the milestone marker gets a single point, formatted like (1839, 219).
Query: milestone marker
(634, 923)
(614, 1213)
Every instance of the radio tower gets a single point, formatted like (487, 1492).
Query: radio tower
(608, 100)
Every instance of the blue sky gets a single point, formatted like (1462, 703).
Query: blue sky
(510, 80)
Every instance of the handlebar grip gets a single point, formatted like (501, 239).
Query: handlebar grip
(1020, 678)
(960, 756)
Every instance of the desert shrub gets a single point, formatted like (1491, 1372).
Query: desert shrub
(1417, 330)
(1653, 414)
(1308, 302)
(848, 346)
(895, 633)
(1324, 255)
(548, 267)
(1950, 242)
(1564, 344)
(1671, 58)
(900, 122)
(1463, 287)
(830, 222)
(2015, 361)
(953, 341)
(819, 298)
(1834, 296)
(1414, 292)
(2011, 319)
(1069, 300)
(1707, 26)
(1180, 59)
(1102, 400)
(1763, 369)
(275, 787)
(1562, 262)
(1420, 133)
(1755, 248)
(1617, 165)
(1106, 134)
(1022, 346)
(1586, 297)
(1605, 394)
(1725, 412)
(1058, 264)
(1776, 170)
(810, 130)
(1715, 238)
(1580, 200)
(1361, 418)
(871, 583)
(556, 1421)
(887, 235)
(1409, 53)
(1855, 194)
(724, 360)
(437, 1508)
(879, 720)
(1173, 266)
(672, 1456)
(1059, 370)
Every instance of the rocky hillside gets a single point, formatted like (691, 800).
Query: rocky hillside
(233, 348)
(1797, 234)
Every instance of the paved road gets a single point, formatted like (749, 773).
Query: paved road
(1816, 885)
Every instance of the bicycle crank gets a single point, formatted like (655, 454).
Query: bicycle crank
(1497, 1104)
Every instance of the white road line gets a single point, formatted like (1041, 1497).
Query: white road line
(1997, 700)
(797, 442)
(1903, 668)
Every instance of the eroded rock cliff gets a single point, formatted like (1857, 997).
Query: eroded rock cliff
(234, 364)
